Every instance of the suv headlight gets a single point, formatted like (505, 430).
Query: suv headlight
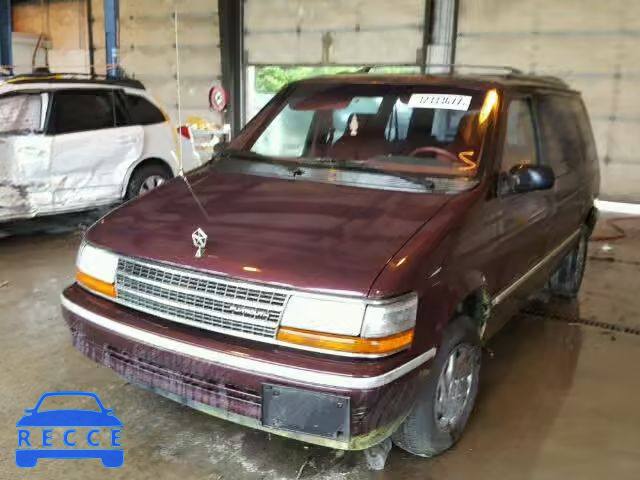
(96, 269)
(350, 326)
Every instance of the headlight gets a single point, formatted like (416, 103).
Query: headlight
(96, 269)
(387, 319)
(324, 315)
(350, 326)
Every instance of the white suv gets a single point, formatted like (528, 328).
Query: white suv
(69, 143)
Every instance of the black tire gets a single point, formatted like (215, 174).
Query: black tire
(567, 279)
(146, 173)
(422, 433)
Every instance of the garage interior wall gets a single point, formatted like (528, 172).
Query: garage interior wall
(147, 45)
(314, 32)
(592, 45)
(147, 51)
(64, 23)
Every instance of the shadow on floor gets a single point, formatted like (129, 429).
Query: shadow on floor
(52, 224)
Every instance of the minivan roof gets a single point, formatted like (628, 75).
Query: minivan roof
(71, 78)
(483, 81)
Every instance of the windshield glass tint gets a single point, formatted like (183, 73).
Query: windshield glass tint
(20, 113)
(416, 130)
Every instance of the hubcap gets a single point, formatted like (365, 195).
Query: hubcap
(151, 182)
(456, 386)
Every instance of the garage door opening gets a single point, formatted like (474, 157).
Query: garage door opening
(264, 81)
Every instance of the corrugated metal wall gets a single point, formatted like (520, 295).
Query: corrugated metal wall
(355, 32)
(147, 50)
(591, 44)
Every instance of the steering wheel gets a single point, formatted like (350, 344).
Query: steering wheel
(437, 150)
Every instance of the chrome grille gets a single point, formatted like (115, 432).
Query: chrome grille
(200, 300)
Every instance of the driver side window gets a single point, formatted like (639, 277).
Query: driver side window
(520, 138)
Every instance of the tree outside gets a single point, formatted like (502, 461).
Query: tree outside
(271, 79)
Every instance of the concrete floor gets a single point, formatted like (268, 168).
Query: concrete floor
(558, 399)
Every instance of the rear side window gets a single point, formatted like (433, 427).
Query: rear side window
(82, 110)
(142, 111)
(520, 138)
(562, 144)
(20, 113)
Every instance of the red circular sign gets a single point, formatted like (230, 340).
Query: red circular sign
(218, 98)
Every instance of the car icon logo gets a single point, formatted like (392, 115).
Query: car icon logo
(35, 432)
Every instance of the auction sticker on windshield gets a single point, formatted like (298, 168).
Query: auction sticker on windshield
(440, 100)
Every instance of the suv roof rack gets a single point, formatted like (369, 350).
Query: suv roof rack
(457, 66)
(499, 70)
(504, 69)
(550, 79)
(64, 77)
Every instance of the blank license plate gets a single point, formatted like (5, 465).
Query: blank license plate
(308, 412)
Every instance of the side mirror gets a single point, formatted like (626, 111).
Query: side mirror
(527, 178)
(28, 410)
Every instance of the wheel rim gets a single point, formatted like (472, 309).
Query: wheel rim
(456, 387)
(149, 183)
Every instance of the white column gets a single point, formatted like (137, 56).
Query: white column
(443, 36)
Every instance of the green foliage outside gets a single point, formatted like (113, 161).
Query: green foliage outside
(271, 79)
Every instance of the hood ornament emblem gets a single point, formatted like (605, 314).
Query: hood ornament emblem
(199, 241)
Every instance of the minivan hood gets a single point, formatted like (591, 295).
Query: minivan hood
(301, 234)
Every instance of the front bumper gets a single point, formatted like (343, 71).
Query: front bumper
(225, 377)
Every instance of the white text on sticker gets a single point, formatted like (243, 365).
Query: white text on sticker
(440, 100)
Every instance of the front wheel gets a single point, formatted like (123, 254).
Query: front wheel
(567, 279)
(445, 402)
(146, 178)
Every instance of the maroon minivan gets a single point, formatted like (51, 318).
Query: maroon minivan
(332, 275)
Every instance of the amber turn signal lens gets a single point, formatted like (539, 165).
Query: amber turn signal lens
(340, 343)
(96, 285)
(490, 101)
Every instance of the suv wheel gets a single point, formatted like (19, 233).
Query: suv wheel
(445, 402)
(566, 280)
(146, 178)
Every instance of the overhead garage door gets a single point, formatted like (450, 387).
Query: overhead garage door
(312, 32)
(591, 44)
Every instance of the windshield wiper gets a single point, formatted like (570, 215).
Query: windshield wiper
(242, 154)
(297, 168)
(352, 165)
(292, 167)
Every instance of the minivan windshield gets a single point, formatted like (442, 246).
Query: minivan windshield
(376, 135)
